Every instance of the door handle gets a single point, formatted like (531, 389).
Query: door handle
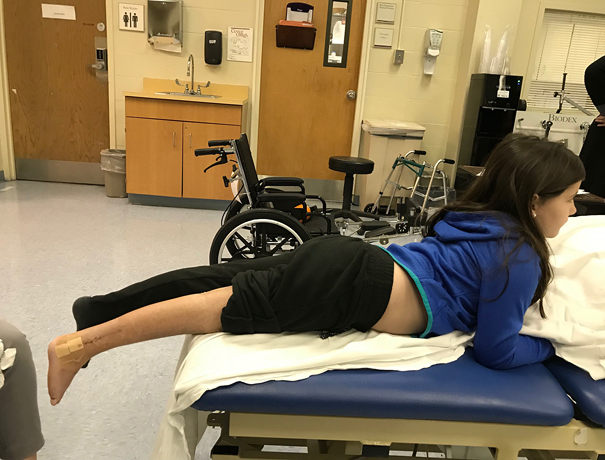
(174, 139)
(98, 66)
(351, 94)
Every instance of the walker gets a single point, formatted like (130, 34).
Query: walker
(418, 169)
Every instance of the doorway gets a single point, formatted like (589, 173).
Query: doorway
(308, 97)
(58, 90)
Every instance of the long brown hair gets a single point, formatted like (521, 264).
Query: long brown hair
(520, 167)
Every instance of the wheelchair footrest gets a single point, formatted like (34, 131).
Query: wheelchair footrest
(371, 225)
(381, 231)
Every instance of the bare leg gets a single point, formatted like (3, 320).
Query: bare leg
(192, 314)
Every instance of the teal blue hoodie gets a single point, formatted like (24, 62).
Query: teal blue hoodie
(466, 286)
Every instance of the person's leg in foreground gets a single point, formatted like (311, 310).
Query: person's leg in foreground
(327, 285)
(20, 433)
(192, 314)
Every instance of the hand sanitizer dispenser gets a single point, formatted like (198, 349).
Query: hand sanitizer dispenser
(433, 41)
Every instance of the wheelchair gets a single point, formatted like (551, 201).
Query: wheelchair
(262, 220)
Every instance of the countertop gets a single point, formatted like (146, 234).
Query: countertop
(230, 94)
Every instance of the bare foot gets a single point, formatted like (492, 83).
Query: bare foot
(61, 371)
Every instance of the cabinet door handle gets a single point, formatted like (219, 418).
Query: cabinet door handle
(190, 135)
(174, 139)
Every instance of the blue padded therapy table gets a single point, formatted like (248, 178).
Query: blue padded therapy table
(366, 413)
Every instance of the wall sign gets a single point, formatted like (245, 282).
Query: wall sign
(239, 46)
(385, 12)
(59, 11)
(383, 38)
(131, 17)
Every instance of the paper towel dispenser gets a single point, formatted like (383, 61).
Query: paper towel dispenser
(165, 24)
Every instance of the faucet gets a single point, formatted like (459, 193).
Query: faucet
(190, 71)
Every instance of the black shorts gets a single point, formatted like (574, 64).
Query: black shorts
(330, 283)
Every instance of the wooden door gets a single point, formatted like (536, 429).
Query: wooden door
(59, 110)
(196, 183)
(305, 116)
(154, 162)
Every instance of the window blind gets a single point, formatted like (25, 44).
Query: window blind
(568, 42)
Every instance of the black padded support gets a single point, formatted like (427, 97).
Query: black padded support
(282, 181)
(351, 165)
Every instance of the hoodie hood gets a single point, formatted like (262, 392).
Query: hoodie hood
(470, 226)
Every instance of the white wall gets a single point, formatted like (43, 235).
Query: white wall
(479, 14)
(396, 92)
(403, 92)
(133, 58)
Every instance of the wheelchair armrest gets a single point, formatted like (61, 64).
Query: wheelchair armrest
(282, 181)
(294, 198)
(323, 202)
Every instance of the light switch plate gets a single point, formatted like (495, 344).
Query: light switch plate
(398, 57)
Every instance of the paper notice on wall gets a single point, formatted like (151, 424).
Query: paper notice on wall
(383, 38)
(385, 12)
(59, 11)
(239, 47)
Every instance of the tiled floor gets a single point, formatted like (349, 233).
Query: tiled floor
(62, 241)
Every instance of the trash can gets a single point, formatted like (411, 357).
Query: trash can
(113, 164)
(382, 141)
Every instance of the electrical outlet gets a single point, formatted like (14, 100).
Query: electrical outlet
(398, 57)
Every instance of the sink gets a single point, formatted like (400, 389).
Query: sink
(170, 93)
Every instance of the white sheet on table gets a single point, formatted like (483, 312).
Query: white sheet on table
(222, 359)
(575, 301)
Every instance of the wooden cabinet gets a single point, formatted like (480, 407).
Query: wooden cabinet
(161, 137)
(196, 183)
(154, 162)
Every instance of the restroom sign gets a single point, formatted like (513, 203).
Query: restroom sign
(131, 17)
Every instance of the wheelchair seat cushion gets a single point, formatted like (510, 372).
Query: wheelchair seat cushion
(351, 165)
(458, 391)
(588, 394)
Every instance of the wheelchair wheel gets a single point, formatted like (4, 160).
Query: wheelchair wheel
(257, 233)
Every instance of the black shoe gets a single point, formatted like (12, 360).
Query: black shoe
(80, 311)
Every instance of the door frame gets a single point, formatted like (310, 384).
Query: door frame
(7, 154)
(361, 84)
(111, 74)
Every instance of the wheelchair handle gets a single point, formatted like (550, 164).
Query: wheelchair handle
(449, 161)
(200, 152)
(219, 143)
(419, 152)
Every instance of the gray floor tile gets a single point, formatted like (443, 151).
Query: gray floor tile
(62, 241)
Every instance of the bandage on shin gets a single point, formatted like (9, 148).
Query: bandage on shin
(72, 350)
